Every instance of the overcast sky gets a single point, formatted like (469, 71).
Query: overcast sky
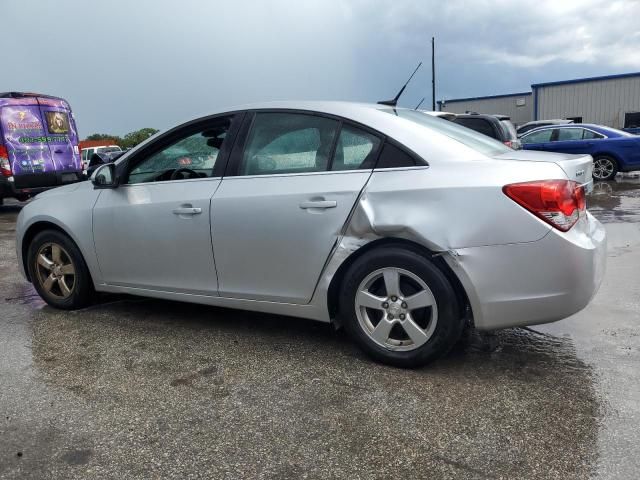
(125, 64)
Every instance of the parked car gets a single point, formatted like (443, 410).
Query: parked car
(612, 150)
(443, 115)
(100, 158)
(397, 225)
(525, 127)
(38, 144)
(88, 152)
(494, 126)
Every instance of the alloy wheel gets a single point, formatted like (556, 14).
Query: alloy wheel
(396, 309)
(55, 270)
(603, 168)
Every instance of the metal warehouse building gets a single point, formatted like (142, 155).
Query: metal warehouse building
(612, 100)
(519, 106)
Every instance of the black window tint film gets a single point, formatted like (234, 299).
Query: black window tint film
(393, 157)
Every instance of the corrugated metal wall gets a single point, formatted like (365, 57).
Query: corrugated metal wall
(501, 105)
(601, 101)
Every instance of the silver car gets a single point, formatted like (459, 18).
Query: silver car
(397, 225)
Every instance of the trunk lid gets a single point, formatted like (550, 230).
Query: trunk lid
(578, 168)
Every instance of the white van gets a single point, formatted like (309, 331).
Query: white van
(88, 152)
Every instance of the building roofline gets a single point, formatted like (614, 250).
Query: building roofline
(586, 79)
(487, 97)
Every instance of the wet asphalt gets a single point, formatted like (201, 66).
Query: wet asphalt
(137, 388)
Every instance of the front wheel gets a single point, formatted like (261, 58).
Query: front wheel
(400, 308)
(58, 271)
(604, 168)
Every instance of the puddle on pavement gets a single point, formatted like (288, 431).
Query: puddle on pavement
(617, 200)
(216, 383)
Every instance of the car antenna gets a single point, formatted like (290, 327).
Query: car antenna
(418, 105)
(394, 102)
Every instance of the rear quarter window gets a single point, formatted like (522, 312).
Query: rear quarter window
(394, 157)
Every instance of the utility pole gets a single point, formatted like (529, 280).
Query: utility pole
(433, 74)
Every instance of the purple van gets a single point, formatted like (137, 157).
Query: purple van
(38, 144)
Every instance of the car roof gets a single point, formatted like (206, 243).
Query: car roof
(560, 121)
(477, 115)
(27, 95)
(592, 126)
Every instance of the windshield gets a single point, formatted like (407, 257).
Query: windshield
(472, 139)
(109, 149)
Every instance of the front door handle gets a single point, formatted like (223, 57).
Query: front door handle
(319, 204)
(187, 210)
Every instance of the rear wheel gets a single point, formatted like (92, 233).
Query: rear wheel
(58, 271)
(604, 168)
(400, 308)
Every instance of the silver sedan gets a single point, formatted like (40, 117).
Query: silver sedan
(397, 225)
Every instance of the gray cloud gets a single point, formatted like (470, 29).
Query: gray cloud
(128, 64)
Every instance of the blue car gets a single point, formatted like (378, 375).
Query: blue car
(612, 150)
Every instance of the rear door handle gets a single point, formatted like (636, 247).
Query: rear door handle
(187, 210)
(319, 204)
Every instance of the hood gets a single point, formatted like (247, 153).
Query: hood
(577, 167)
(65, 189)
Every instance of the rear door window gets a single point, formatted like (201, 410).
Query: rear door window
(568, 134)
(281, 143)
(61, 135)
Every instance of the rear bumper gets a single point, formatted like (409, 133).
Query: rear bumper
(532, 283)
(32, 184)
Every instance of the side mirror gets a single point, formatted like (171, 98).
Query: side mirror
(104, 176)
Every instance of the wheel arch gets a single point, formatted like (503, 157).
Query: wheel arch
(31, 232)
(333, 292)
(608, 153)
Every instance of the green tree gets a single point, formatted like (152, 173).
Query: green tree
(132, 139)
(101, 136)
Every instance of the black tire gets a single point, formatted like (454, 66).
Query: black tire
(450, 322)
(81, 288)
(605, 175)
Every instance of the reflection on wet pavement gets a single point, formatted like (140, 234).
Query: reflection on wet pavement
(617, 200)
(252, 394)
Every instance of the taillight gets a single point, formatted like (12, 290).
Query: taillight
(5, 165)
(558, 202)
(508, 143)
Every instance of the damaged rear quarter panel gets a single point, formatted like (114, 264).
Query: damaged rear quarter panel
(451, 206)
